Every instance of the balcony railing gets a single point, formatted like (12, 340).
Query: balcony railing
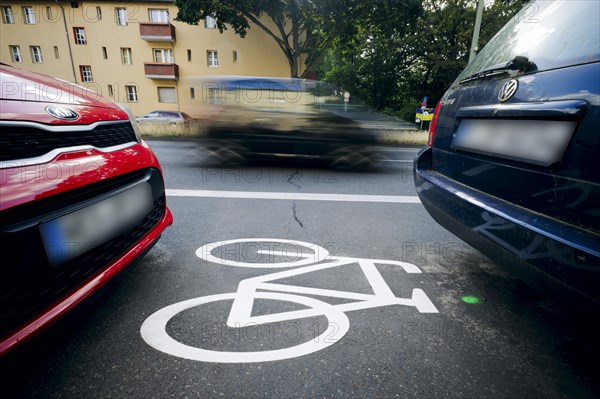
(157, 32)
(154, 70)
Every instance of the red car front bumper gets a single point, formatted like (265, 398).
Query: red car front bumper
(32, 194)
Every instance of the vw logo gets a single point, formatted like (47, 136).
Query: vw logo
(62, 113)
(508, 90)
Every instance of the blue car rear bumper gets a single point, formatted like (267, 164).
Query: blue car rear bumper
(549, 254)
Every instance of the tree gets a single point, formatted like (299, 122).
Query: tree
(443, 39)
(393, 64)
(301, 28)
(371, 64)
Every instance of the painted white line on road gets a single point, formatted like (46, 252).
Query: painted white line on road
(398, 199)
(398, 149)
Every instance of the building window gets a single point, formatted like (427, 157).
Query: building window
(189, 54)
(104, 53)
(7, 15)
(98, 13)
(74, 4)
(210, 22)
(49, 13)
(213, 58)
(158, 15)
(121, 16)
(28, 15)
(126, 55)
(79, 36)
(86, 73)
(15, 54)
(36, 54)
(132, 94)
(56, 54)
(192, 93)
(163, 55)
(167, 95)
(110, 91)
(234, 55)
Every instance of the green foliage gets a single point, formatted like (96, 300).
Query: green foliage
(405, 55)
(369, 63)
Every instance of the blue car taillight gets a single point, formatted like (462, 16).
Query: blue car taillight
(436, 112)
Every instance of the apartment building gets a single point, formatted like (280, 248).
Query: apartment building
(132, 51)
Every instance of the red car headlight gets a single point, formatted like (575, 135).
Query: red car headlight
(134, 123)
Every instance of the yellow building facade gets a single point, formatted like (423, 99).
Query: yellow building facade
(132, 52)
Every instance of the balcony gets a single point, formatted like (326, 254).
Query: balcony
(155, 70)
(157, 32)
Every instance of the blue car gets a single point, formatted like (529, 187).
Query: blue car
(513, 161)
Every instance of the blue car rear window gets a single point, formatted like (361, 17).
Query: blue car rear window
(552, 34)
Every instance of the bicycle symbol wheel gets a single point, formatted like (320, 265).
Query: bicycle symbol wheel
(294, 253)
(154, 331)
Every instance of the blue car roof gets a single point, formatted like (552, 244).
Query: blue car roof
(262, 83)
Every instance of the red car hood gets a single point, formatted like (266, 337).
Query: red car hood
(24, 96)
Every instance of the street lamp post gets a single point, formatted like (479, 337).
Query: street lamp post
(476, 30)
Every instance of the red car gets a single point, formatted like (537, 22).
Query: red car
(81, 198)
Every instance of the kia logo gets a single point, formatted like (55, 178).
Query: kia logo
(62, 113)
(508, 90)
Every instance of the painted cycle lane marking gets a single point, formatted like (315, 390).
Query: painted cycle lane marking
(316, 258)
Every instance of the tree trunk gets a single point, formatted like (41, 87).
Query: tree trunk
(295, 42)
(293, 68)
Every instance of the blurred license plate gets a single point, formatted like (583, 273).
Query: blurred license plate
(71, 235)
(537, 142)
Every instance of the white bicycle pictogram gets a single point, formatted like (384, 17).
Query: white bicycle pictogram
(310, 258)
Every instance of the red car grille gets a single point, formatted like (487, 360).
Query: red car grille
(22, 142)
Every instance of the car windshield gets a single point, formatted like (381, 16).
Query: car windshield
(544, 33)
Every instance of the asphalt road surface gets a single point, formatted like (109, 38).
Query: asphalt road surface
(283, 279)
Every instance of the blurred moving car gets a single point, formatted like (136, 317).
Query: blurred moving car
(81, 198)
(166, 117)
(512, 165)
(259, 117)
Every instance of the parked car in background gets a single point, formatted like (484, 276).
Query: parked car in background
(166, 117)
(81, 198)
(512, 164)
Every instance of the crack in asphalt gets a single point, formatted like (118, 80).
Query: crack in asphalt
(296, 216)
(292, 177)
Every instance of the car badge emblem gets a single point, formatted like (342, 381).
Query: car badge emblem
(62, 113)
(508, 90)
